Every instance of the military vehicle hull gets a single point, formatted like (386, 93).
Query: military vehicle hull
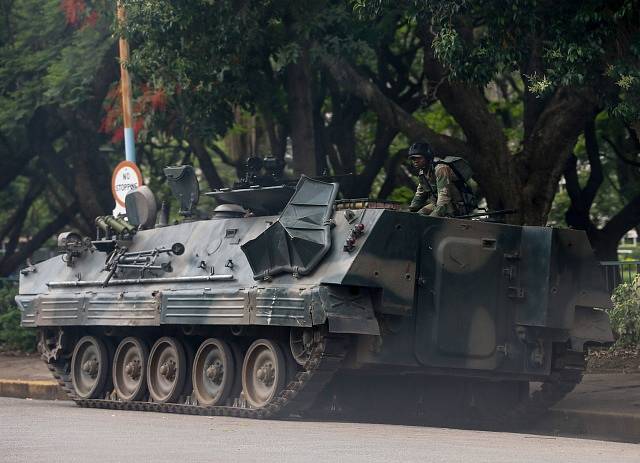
(325, 306)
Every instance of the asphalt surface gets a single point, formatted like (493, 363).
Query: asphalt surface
(55, 431)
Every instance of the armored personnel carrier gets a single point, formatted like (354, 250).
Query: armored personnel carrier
(286, 300)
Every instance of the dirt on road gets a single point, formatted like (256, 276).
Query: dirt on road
(613, 361)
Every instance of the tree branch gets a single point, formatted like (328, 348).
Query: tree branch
(208, 169)
(394, 173)
(543, 159)
(9, 263)
(619, 154)
(384, 137)
(623, 221)
(596, 175)
(20, 214)
(390, 112)
(224, 157)
(577, 214)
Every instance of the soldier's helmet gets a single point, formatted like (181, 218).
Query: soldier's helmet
(421, 148)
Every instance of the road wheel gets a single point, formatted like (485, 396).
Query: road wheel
(213, 372)
(129, 369)
(263, 372)
(90, 367)
(166, 370)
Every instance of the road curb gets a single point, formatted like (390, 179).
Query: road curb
(593, 424)
(44, 390)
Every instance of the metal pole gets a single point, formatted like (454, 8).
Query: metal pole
(125, 82)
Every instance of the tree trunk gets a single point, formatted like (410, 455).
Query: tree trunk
(395, 175)
(94, 199)
(206, 164)
(301, 119)
(605, 240)
(384, 137)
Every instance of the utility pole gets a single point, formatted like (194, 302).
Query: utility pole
(125, 83)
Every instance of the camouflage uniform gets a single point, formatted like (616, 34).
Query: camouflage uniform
(437, 194)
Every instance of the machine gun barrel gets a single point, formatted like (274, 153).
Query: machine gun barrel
(112, 264)
(487, 214)
(143, 266)
(134, 260)
(148, 252)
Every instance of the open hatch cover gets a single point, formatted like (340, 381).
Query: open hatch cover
(300, 238)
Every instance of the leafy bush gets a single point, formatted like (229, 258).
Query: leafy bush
(12, 335)
(625, 315)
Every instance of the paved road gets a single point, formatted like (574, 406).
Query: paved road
(33, 431)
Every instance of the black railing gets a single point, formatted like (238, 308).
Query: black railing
(618, 272)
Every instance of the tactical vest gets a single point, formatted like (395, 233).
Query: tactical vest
(463, 172)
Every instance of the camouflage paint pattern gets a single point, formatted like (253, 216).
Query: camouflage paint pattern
(438, 294)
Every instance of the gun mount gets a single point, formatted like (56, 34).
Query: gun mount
(261, 190)
(142, 261)
(259, 171)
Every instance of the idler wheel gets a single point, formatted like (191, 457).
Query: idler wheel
(90, 367)
(130, 369)
(263, 372)
(166, 370)
(213, 372)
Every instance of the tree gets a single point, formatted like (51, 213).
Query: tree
(554, 58)
(57, 62)
(603, 184)
(512, 89)
(262, 57)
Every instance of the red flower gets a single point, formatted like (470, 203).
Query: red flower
(73, 10)
(158, 100)
(91, 19)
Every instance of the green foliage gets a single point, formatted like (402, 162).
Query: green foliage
(575, 43)
(559, 206)
(210, 55)
(217, 56)
(45, 61)
(8, 291)
(12, 335)
(402, 194)
(629, 252)
(438, 119)
(625, 315)
(620, 183)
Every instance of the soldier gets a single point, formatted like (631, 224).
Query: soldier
(437, 194)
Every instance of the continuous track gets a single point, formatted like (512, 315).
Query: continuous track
(565, 376)
(561, 382)
(299, 394)
(326, 357)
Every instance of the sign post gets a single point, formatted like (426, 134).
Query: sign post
(126, 178)
(125, 81)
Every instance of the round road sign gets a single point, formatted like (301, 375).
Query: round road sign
(126, 178)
